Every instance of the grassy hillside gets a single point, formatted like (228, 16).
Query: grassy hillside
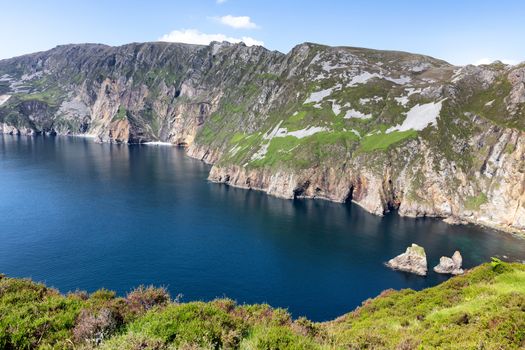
(484, 309)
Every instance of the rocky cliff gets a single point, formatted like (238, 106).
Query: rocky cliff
(385, 129)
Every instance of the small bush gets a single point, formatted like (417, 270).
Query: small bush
(499, 266)
(79, 295)
(132, 341)
(196, 323)
(144, 298)
(227, 305)
(103, 295)
(306, 327)
(495, 262)
(281, 338)
(408, 344)
(94, 328)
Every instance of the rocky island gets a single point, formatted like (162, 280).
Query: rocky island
(413, 260)
(384, 129)
(450, 265)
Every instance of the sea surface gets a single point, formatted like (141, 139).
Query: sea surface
(76, 214)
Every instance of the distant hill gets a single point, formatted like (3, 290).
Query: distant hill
(385, 129)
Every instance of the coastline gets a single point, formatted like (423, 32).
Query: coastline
(195, 152)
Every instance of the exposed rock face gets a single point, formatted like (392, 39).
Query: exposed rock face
(450, 265)
(386, 130)
(457, 258)
(413, 260)
(11, 130)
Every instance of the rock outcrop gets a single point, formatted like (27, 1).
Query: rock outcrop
(451, 266)
(384, 129)
(413, 260)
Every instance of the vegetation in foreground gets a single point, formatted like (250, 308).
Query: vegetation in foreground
(483, 309)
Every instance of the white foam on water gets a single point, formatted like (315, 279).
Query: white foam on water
(158, 143)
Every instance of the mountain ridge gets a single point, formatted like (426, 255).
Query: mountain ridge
(385, 129)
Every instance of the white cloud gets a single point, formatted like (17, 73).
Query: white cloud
(487, 60)
(237, 22)
(220, 1)
(193, 36)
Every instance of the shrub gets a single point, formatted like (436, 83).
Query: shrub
(499, 266)
(132, 341)
(306, 327)
(34, 316)
(495, 263)
(408, 344)
(227, 305)
(281, 338)
(94, 328)
(79, 295)
(196, 323)
(103, 295)
(144, 298)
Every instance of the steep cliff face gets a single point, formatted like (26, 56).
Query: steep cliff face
(387, 130)
(133, 93)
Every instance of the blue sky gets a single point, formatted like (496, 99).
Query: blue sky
(458, 31)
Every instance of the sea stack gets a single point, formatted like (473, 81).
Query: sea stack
(413, 260)
(450, 266)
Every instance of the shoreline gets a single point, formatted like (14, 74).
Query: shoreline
(450, 220)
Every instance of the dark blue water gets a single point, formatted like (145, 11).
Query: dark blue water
(80, 215)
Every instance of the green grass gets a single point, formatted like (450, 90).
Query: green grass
(50, 97)
(382, 141)
(418, 250)
(308, 151)
(474, 202)
(485, 308)
(296, 118)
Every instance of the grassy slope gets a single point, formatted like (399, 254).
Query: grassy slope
(484, 309)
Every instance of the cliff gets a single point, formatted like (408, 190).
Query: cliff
(385, 129)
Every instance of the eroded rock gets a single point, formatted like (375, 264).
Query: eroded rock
(413, 260)
(450, 266)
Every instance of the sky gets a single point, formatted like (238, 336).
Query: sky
(458, 31)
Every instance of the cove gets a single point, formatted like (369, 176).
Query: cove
(76, 214)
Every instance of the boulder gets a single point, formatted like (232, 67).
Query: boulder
(413, 260)
(450, 266)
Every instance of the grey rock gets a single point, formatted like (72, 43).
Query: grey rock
(413, 260)
(450, 266)
(457, 258)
